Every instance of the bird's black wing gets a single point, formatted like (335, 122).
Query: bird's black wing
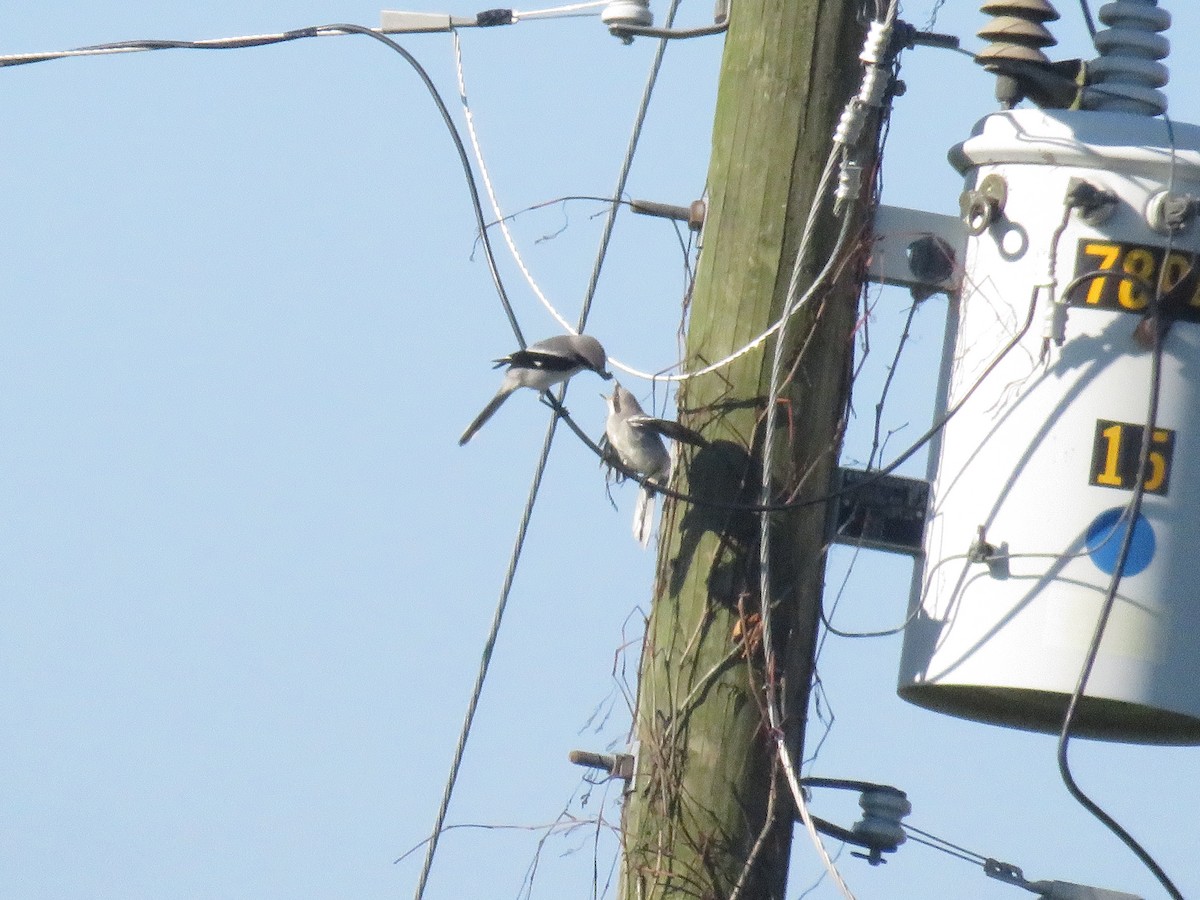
(529, 358)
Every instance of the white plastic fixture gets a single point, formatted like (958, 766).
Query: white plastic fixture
(1032, 474)
(627, 13)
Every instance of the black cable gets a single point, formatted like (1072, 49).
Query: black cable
(476, 204)
(259, 40)
(320, 31)
(1133, 510)
(1087, 18)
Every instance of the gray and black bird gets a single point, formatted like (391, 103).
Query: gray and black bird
(637, 441)
(541, 366)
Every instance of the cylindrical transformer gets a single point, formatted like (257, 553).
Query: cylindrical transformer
(1072, 217)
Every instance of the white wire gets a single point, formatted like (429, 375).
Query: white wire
(502, 222)
(19, 58)
(491, 193)
(785, 759)
(558, 317)
(573, 9)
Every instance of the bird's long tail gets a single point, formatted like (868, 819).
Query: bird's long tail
(643, 517)
(487, 412)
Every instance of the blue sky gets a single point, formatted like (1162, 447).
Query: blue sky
(245, 571)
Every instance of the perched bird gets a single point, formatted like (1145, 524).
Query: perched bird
(637, 441)
(541, 366)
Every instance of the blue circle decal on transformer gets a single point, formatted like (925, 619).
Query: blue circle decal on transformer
(1105, 535)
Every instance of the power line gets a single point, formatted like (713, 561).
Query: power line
(627, 164)
(485, 660)
(463, 160)
(263, 40)
(1088, 22)
(1133, 509)
(535, 486)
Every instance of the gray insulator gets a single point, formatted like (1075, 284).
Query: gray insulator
(1127, 74)
(883, 808)
(1015, 31)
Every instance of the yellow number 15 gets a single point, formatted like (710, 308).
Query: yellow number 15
(1111, 474)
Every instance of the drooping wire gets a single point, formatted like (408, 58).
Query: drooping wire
(1087, 18)
(476, 205)
(501, 221)
(661, 376)
(1110, 597)
(535, 486)
(262, 40)
(991, 559)
(908, 619)
(725, 361)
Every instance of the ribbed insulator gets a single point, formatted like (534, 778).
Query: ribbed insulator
(1127, 73)
(1016, 31)
(883, 808)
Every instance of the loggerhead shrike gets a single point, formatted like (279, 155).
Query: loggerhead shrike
(637, 441)
(541, 366)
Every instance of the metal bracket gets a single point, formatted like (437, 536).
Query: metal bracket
(1050, 890)
(917, 249)
(883, 512)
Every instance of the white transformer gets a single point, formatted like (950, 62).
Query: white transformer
(1072, 216)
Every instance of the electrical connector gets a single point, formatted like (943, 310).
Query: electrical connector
(392, 22)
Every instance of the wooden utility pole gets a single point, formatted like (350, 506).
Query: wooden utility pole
(708, 815)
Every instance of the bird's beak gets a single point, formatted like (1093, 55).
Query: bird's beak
(607, 376)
